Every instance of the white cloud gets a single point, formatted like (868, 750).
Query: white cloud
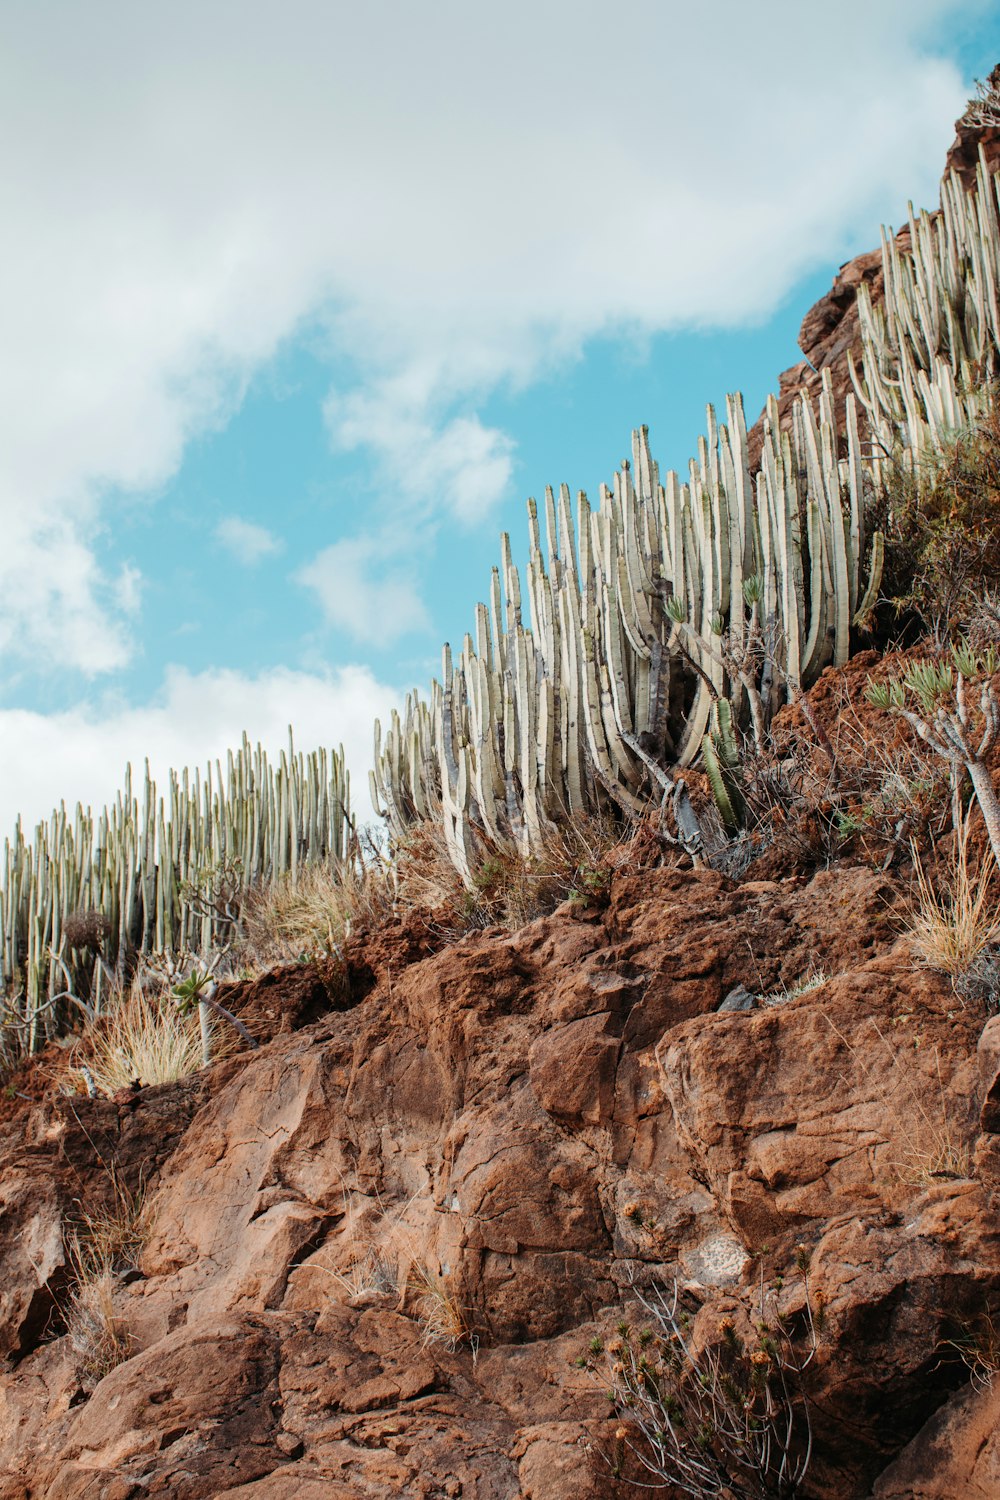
(80, 754)
(56, 605)
(128, 590)
(465, 192)
(365, 589)
(457, 463)
(245, 540)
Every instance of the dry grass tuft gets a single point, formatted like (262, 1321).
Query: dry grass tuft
(814, 980)
(139, 1040)
(952, 929)
(425, 875)
(440, 1313)
(96, 1332)
(370, 1266)
(115, 1235)
(979, 1347)
(101, 1248)
(934, 1125)
(310, 916)
(381, 1254)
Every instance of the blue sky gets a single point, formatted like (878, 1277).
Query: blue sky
(302, 303)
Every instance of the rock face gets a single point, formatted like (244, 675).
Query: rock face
(379, 1246)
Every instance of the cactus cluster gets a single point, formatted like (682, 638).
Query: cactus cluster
(146, 872)
(656, 604)
(929, 350)
(648, 611)
(653, 629)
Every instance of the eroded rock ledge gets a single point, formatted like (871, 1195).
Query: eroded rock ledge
(521, 1125)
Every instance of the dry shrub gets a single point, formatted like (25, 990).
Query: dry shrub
(508, 888)
(955, 925)
(310, 915)
(983, 110)
(140, 1039)
(724, 1416)
(890, 787)
(87, 929)
(576, 863)
(942, 525)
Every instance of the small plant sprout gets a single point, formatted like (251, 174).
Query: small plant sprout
(198, 988)
(938, 701)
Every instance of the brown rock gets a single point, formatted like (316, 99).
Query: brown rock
(988, 1056)
(482, 1155)
(955, 1456)
(573, 1070)
(31, 1251)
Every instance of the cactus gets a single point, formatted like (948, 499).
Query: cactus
(655, 605)
(720, 754)
(930, 350)
(140, 866)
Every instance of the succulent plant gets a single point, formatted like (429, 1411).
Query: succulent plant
(122, 882)
(666, 599)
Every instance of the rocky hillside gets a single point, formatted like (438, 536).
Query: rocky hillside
(403, 1245)
(378, 1248)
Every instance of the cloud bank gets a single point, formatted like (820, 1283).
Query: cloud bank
(244, 540)
(461, 194)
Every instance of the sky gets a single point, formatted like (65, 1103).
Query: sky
(300, 303)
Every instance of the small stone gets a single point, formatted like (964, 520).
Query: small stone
(290, 1445)
(739, 999)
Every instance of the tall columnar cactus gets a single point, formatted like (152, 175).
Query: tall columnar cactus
(666, 599)
(930, 349)
(142, 863)
(640, 614)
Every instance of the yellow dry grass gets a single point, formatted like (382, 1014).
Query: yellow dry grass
(310, 916)
(96, 1332)
(952, 926)
(139, 1040)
